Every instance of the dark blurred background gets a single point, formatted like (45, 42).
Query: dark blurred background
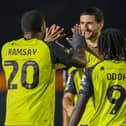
(61, 12)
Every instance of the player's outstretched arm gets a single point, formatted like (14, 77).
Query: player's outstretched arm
(78, 110)
(70, 57)
(78, 44)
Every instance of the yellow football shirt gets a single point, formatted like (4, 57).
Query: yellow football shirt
(109, 79)
(31, 84)
(76, 74)
(108, 87)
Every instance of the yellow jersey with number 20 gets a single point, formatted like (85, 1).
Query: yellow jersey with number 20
(31, 84)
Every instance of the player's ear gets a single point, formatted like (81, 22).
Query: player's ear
(43, 27)
(101, 25)
(43, 30)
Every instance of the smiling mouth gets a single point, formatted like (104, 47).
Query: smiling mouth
(87, 32)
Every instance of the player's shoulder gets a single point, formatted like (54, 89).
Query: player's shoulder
(22, 41)
(97, 65)
(89, 54)
(71, 69)
(12, 42)
(93, 67)
(8, 43)
(101, 66)
(110, 64)
(91, 59)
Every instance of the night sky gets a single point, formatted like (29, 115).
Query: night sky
(62, 12)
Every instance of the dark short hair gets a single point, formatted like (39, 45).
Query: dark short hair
(112, 44)
(32, 21)
(99, 16)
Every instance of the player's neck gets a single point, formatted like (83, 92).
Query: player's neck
(92, 43)
(29, 35)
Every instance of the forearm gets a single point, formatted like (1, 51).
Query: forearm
(78, 45)
(78, 110)
(69, 109)
(66, 118)
(68, 106)
(76, 116)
